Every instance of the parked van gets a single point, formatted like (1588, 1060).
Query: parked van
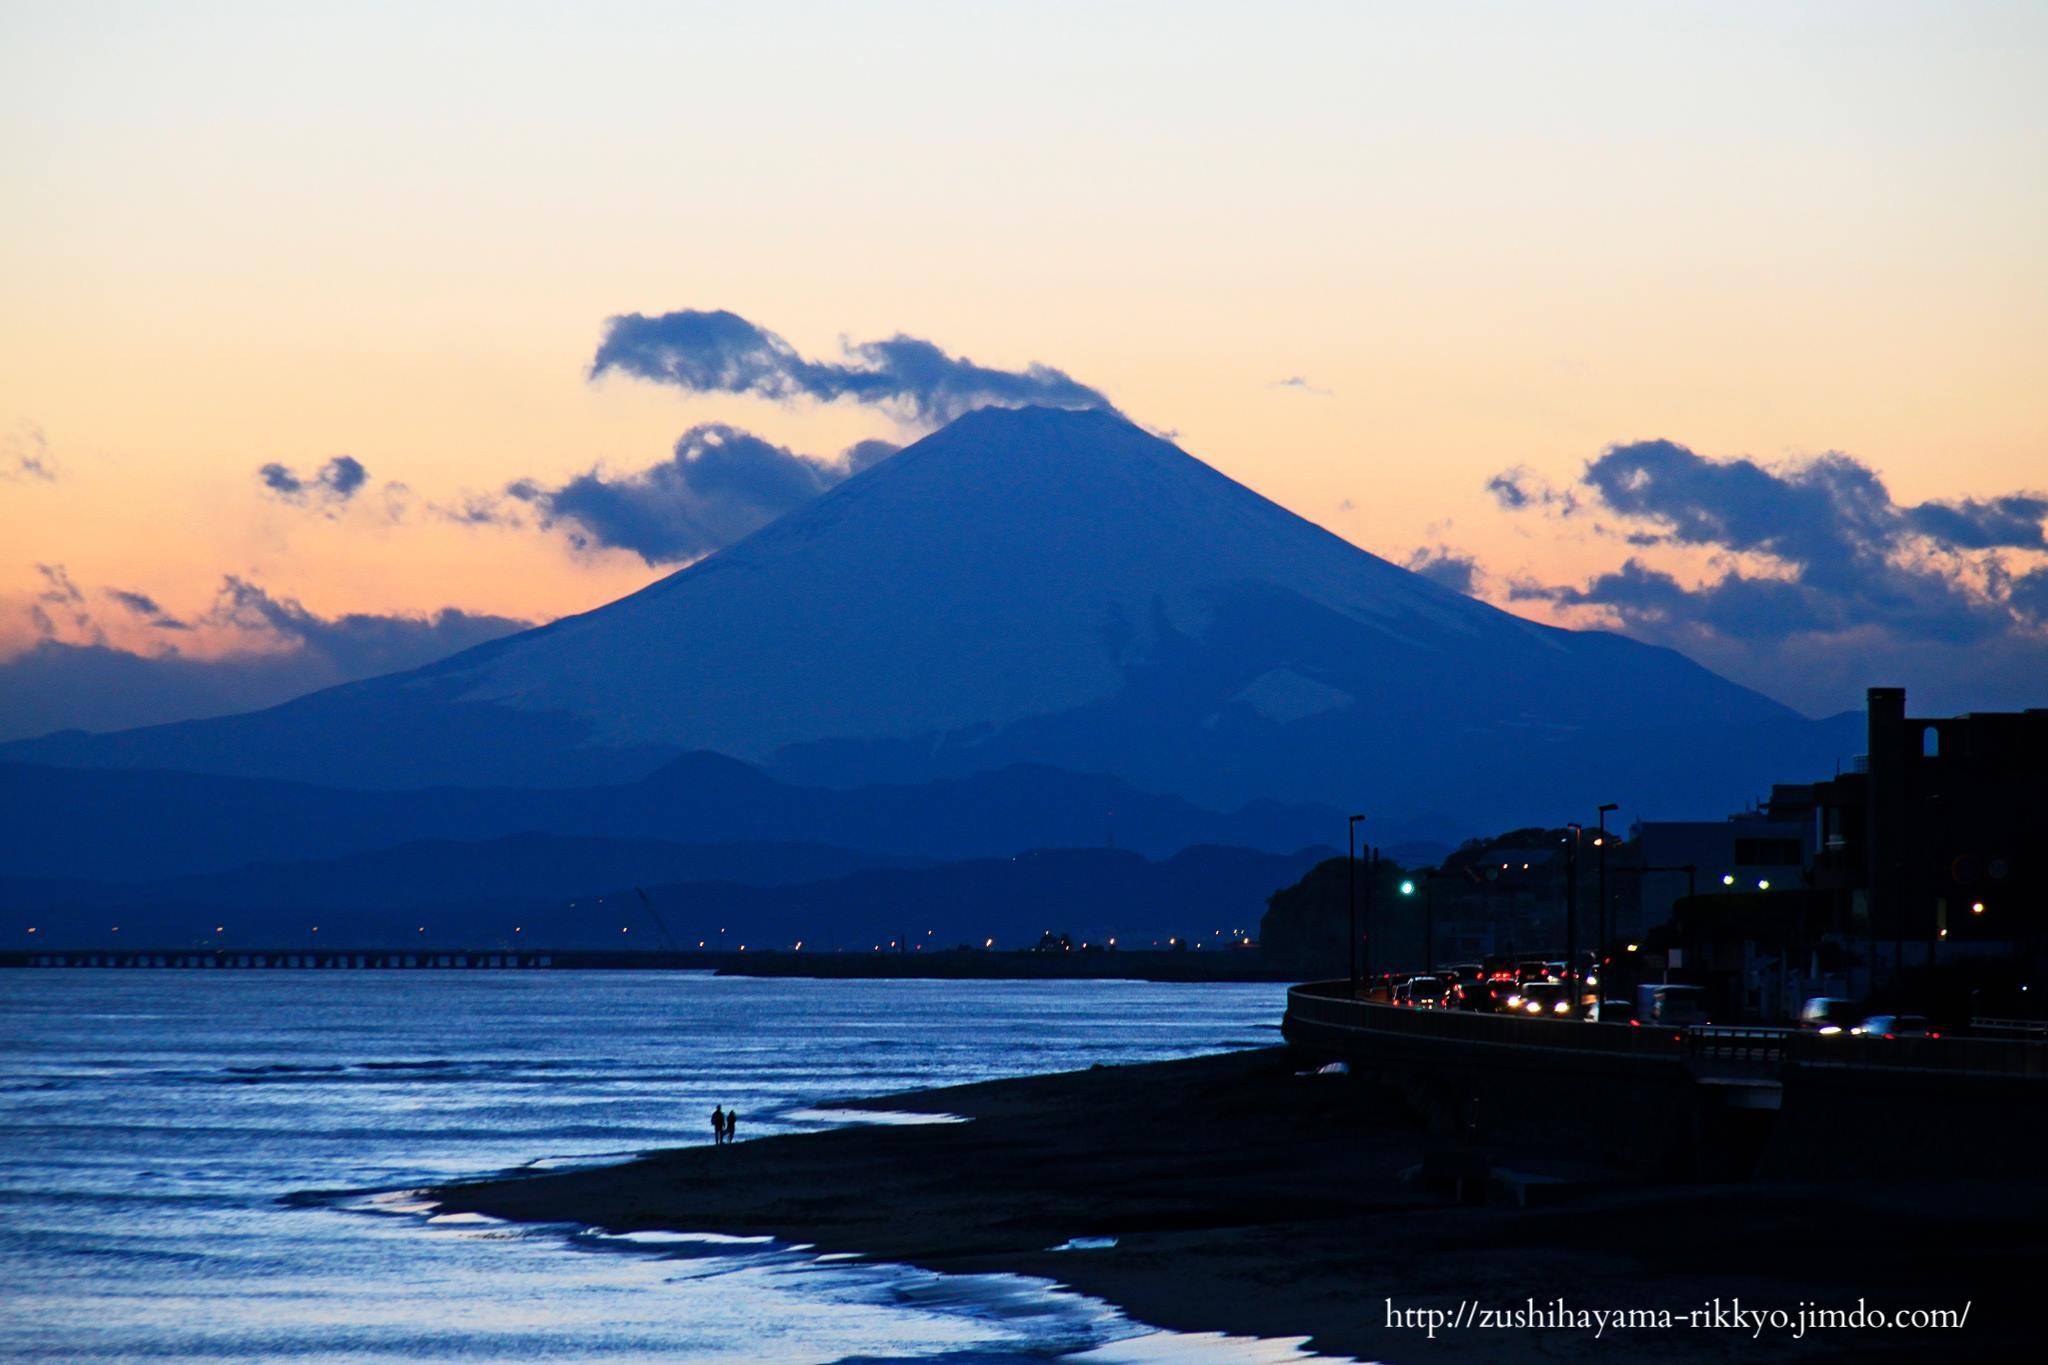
(1829, 1014)
(1672, 1005)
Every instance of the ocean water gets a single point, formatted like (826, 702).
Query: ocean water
(152, 1124)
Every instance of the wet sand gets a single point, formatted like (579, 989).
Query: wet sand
(1246, 1198)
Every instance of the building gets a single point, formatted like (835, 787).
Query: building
(1937, 841)
(1758, 850)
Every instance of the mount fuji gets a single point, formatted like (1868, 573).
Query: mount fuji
(1050, 587)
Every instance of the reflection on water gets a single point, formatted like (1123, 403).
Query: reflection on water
(151, 1121)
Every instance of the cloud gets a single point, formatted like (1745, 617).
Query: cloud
(61, 598)
(144, 606)
(483, 509)
(272, 648)
(2029, 595)
(1807, 557)
(334, 483)
(721, 352)
(720, 484)
(2013, 521)
(25, 457)
(357, 644)
(1521, 487)
(1447, 567)
(57, 585)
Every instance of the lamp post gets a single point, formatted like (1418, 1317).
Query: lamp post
(1351, 893)
(1409, 886)
(1571, 914)
(1600, 947)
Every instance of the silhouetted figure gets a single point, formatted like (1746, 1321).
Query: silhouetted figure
(718, 1129)
(732, 1121)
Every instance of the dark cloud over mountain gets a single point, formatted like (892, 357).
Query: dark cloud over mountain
(720, 484)
(1442, 564)
(721, 352)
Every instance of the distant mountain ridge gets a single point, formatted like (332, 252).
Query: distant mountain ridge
(511, 869)
(1090, 892)
(1055, 588)
(116, 826)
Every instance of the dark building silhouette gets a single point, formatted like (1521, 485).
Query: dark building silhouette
(1937, 843)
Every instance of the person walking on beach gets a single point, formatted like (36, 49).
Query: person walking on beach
(732, 1121)
(718, 1125)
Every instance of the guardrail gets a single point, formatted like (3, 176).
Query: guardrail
(1734, 1053)
(1328, 1004)
(1945, 1056)
(2019, 1028)
(1723, 1043)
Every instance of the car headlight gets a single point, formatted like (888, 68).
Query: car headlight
(1563, 1007)
(1828, 1030)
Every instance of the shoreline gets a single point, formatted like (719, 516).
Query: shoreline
(1247, 1199)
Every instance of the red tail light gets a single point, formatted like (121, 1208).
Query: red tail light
(1891, 1035)
(1635, 1023)
(1934, 1035)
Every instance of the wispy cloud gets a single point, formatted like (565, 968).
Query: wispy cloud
(260, 648)
(25, 457)
(334, 483)
(145, 608)
(1522, 487)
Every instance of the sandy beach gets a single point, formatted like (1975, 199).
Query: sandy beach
(1247, 1198)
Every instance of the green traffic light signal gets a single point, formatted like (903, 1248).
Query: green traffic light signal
(1407, 888)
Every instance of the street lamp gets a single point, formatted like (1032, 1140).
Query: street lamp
(1351, 893)
(1600, 947)
(1409, 888)
(1571, 913)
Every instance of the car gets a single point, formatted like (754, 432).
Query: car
(1490, 996)
(1542, 1000)
(1422, 992)
(1476, 995)
(1895, 1026)
(1827, 1015)
(1381, 986)
(1613, 1012)
(1671, 1004)
(1526, 972)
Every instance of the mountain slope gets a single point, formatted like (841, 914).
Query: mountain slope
(1052, 587)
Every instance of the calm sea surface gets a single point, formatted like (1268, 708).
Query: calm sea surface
(150, 1122)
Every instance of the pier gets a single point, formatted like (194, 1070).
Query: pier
(361, 959)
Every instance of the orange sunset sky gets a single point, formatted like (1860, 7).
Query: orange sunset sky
(1481, 239)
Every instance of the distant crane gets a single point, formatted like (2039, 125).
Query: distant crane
(655, 915)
